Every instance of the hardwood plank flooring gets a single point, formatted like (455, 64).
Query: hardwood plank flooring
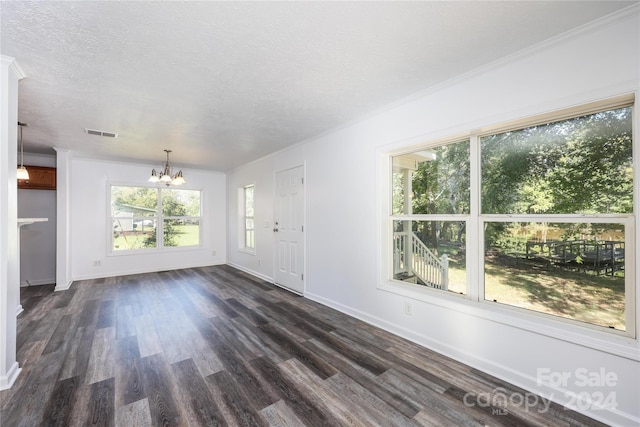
(214, 346)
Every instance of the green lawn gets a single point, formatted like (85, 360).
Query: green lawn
(187, 235)
(184, 235)
(577, 295)
(130, 240)
(457, 272)
(586, 297)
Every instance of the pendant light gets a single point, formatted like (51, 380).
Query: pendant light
(166, 176)
(22, 173)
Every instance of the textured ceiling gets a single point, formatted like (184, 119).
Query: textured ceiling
(224, 83)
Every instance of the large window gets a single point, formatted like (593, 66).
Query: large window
(146, 218)
(551, 210)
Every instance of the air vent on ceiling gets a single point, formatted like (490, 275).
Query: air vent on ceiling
(101, 133)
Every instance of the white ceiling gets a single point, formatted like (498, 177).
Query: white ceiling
(224, 83)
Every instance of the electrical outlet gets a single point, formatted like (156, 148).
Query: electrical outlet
(97, 263)
(408, 310)
(213, 253)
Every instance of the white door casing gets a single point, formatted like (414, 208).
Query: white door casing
(289, 229)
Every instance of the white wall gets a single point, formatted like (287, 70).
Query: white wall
(10, 74)
(38, 240)
(89, 221)
(343, 221)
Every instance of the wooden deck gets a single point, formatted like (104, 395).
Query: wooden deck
(601, 257)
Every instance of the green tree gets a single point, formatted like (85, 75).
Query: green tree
(441, 186)
(171, 207)
(581, 165)
(136, 196)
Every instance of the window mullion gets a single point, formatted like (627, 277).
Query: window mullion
(475, 273)
(430, 217)
(160, 226)
(594, 218)
(630, 286)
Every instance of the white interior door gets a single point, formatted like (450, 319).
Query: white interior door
(289, 229)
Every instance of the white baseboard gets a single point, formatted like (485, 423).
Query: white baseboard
(251, 272)
(137, 271)
(263, 277)
(63, 287)
(37, 282)
(519, 379)
(6, 381)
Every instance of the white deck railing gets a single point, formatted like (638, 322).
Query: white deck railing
(425, 265)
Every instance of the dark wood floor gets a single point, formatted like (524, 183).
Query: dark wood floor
(215, 346)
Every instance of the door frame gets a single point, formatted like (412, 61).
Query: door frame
(274, 242)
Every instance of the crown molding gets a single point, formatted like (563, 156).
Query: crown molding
(13, 65)
(620, 15)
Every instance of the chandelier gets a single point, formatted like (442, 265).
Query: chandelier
(166, 176)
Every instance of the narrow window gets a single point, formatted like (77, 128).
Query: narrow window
(249, 223)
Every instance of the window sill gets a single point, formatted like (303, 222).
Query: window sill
(247, 251)
(155, 251)
(614, 342)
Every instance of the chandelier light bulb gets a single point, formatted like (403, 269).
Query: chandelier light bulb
(165, 174)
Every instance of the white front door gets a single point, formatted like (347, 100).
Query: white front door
(289, 229)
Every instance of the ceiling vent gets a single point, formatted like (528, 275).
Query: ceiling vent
(101, 133)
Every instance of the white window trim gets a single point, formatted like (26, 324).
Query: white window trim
(620, 343)
(242, 248)
(110, 252)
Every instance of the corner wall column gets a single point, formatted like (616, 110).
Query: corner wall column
(63, 219)
(10, 74)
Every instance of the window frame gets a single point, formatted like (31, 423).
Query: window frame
(159, 218)
(473, 302)
(463, 217)
(242, 220)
